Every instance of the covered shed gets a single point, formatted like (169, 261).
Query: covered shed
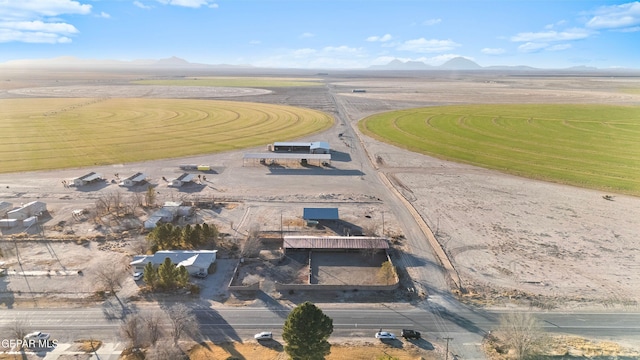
(341, 243)
(291, 146)
(319, 214)
(134, 179)
(182, 180)
(86, 179)
(269, 158)
(320, 147)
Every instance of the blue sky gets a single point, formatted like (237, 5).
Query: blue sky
(326, 33)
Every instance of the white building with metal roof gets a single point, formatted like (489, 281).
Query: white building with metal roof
(195, 261)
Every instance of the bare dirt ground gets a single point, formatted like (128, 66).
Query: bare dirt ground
(507, 237)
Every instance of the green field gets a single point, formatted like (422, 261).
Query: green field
(584, 145)
(38, 134)
(249, 82)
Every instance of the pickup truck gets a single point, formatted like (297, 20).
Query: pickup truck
(410, 334)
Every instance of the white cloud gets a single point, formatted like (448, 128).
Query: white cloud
(340, 50)
(39, 26)
(30, 9)
(306, 35)
(186, 3)
(383, 38)
(255, 42)
(431, 22)
(616, 16)
(559, 47)
(492, 51)
(214, 6)
(104, 15)
(34, 37)
(552, 35)
(29, 20)
(531, 47)
(141, 5)
(423, 45)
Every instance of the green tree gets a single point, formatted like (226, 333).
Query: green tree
(150, 275)
(306, 332)
(167, 274)
(182, 278)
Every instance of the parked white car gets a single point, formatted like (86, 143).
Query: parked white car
(138, 276)
(383, 335)
(265, 335)
(37, 336)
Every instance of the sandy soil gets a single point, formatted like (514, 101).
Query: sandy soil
(503, 234)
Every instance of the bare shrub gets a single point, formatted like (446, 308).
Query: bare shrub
(109, 275)
(183, 322)
(164, 350)
(133, 329)
(521, 333)
(252, 245)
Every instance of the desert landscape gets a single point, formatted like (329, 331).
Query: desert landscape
(512, 242)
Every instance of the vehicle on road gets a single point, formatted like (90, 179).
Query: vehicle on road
(37, 336)
(138, 276)
(384, 335)
(410, 334)
(200, 275)
(265, 335)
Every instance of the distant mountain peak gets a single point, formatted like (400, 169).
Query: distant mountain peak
(174, 60)
(460, 63)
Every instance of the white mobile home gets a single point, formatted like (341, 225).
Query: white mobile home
(34, 208)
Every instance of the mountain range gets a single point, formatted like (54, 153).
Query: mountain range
(455, 64)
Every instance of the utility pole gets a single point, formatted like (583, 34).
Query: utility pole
(383, 224)
(446, 354)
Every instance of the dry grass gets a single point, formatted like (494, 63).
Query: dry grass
(566, 347)
(251, 351)
(88, 345)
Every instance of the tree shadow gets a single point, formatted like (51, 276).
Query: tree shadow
(272, 344)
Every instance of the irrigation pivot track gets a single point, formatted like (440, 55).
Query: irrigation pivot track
(592, 146)
(71, 132)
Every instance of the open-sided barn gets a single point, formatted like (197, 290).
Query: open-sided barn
(86, 179)
(334, 243)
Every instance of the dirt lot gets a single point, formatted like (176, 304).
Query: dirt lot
(503, 234)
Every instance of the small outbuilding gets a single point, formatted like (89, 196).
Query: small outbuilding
(8, 223)
(86, 179)
(182, 180)
(319, 214)
(5, 207)
(135, 179)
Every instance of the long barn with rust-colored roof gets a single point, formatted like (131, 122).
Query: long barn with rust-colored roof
(344, 243)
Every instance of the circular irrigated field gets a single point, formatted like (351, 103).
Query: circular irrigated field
(56, 133)
(585, 145)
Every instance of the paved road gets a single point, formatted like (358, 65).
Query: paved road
(466, 325)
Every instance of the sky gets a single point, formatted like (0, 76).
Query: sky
(327, 34)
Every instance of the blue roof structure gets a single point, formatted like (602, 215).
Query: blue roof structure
(320, 214)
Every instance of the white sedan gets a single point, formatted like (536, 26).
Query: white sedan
(383, 335)
(37, 336)
(265, 335)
